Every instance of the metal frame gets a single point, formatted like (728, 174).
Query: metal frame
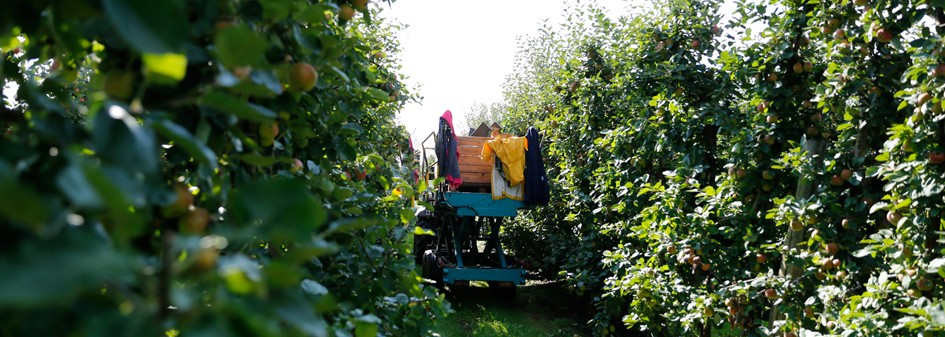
(466, 219)
(461, 221)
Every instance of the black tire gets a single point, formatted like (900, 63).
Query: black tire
(421, 243)
(430, 268)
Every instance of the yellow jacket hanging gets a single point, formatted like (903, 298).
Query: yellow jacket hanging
(511, 152)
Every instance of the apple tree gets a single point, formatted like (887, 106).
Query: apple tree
(214, 167)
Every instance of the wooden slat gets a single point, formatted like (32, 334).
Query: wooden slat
(475, 167)
(475, 178)
(472, 160)
(470, 151)
(471, 141)
(471, 156)
(476, 175)
(475, 164)
(472, 169)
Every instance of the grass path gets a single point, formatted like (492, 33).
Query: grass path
(539, 309)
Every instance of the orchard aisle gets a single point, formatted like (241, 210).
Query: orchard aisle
(541, 308)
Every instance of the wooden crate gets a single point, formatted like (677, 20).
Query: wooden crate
(472, 169)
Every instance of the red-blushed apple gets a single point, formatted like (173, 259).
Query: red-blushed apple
(761, 107)
(302, 76)
(924, 284)
(346, 12)
(835, 180)
(893, 217)
(296, 165)
(884, 35)
(768, 139)
(771, 293)
(937, 71)
(936, 157)
(839, 34)
(360, 4)
(846, 174)
(812, 131)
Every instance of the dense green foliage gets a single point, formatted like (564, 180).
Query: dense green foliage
(205, 168)
(777, 170)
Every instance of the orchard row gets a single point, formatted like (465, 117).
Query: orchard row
(773, 170)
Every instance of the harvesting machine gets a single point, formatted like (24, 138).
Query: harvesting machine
(460, 239)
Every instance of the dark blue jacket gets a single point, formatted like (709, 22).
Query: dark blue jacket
(447, 153)
(536, 182)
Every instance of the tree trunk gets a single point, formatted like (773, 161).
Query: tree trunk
(805, 188)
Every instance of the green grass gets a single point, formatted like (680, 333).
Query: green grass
(539, 309)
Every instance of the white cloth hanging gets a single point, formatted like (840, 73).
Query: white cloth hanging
(500, 186)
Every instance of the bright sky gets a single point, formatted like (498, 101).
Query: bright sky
(459, 52)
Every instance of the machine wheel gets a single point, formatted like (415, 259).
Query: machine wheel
(430, 268)
(421, 243)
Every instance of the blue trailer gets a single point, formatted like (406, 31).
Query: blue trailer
(463, 242)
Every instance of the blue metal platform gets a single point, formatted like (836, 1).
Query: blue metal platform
(464, 217)
(514, 275)
(481, 204)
